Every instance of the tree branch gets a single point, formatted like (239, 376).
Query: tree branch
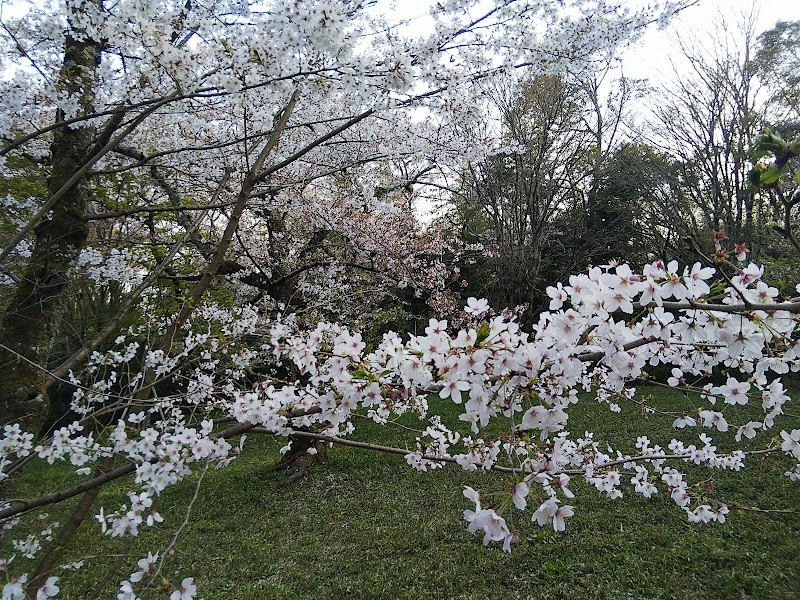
(17, 507)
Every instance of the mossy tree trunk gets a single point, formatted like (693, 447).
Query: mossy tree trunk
(31, 320)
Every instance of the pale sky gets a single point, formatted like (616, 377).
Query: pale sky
(652, 55)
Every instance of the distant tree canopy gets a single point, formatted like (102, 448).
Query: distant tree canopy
(583, 180)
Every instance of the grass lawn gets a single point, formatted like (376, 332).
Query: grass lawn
(365, 525)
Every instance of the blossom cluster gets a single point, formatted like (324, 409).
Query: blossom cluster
(215, 75)
(617, 324)
(495, 370)
(118, 266)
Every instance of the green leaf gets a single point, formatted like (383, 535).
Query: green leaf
(482, 333)
(766, 143)
(362, 374)
(794, 147)
(758, 153)
(771, 175)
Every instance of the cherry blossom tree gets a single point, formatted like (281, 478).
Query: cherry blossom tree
(204, 132)
(249, 102)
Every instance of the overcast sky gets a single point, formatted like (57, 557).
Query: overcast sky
(652, 55)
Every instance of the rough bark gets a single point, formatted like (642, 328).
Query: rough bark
(31, 320)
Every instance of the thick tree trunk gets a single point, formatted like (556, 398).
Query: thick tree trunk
(31, 320)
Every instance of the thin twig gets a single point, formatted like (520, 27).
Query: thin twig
(185, 522)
